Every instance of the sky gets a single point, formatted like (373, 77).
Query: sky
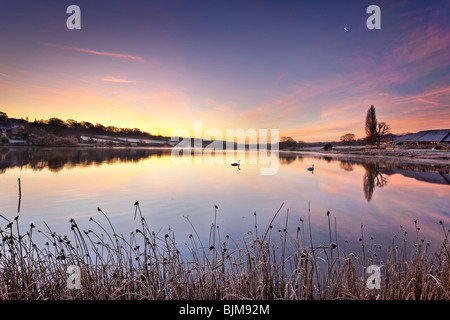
(308, 68)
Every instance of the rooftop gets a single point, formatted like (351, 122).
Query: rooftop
(425, 136)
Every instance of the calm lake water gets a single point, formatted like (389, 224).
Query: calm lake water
(60, 184)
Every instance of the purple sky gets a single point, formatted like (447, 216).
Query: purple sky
(161, 65)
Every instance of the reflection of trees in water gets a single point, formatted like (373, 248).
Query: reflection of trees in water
(57, 159)
(347, 165)
(289, 158)
(373, 178)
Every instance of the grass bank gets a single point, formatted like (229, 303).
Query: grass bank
(418, 156)
(262, 264)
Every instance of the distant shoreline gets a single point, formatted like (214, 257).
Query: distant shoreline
(422, 156)
(339, 153)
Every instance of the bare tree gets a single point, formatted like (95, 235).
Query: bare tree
(348, 138)
(382, 129)
(287, 142)
(57, 123)
(73, 124)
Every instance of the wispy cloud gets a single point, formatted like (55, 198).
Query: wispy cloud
(4, 75)
(427, 42)
(224, 107)
(100, 53)
(336, 104)
(117, 80)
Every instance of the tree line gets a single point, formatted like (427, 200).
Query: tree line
(375, 131)
(60, 127)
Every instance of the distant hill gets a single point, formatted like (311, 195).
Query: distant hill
(57, 131)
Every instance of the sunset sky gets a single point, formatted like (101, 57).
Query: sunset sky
(161, 65)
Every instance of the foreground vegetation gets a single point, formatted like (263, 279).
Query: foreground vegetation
(272, 264)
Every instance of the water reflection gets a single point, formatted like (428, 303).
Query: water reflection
(373, 178)
(377, 174)
(379, 194)
(55, 159)
(421, 173)
(346, 165)
(289, 158)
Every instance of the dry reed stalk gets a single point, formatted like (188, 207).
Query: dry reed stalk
(151, 266)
